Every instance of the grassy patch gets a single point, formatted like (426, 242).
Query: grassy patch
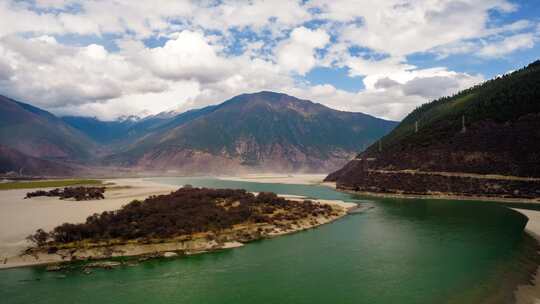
(48, 183)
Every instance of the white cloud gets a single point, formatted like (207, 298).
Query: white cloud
(53, 75)
(53, 3)
(205, 52)
(508, 45)
(256, 14)
(404, 27)
(396, 99)
(14, 18)
(298, 52)
(188, 56)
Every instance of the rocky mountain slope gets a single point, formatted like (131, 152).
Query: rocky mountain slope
(38, 133)
(490, 129)
(264, 131)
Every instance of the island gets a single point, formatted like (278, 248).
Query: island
(186, 221)
(80, 193)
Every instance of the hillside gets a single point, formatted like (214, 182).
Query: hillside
(38, 133)
(264, 131)
(16, 163)
(492, 128)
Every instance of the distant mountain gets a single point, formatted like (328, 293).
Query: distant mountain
(13, 161)
(124, 130)
(38, 133)
(97, 130)
(492, 128)
(264, 131)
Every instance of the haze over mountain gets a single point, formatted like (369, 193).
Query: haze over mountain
(493, 128)
(264, 131)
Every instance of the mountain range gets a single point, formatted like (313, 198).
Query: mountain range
(263, 131)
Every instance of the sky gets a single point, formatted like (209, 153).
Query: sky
(122, 57)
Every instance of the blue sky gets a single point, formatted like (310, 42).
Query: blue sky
(114, 58)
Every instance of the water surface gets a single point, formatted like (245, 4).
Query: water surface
(400, 251)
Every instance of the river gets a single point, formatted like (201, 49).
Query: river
(399, 251)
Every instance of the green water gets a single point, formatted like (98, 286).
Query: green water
(400, 251)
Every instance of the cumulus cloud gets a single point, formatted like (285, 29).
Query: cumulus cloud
(177, 55)
(54, 75)
(298, 52)
(188, 56)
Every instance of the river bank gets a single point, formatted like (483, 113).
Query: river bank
(442, 196)
(19, 219)
(530, 294)
(363, 178)
(318, 179)
(301, 179)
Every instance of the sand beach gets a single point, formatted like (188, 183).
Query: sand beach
(20, 217)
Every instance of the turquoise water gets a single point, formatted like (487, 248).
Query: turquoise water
(400, 251)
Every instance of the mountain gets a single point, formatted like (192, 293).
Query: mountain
(490, 129)
(264, 131)
(97, 130)
(126, 129)
(40, 134)
(12, 160)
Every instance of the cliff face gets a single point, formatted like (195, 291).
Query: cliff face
(490, 129)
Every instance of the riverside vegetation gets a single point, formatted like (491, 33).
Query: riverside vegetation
(186, 220)
(77, 193)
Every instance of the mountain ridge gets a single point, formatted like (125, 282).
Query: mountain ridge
(490, 129)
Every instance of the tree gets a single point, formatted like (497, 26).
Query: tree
(39, 238)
